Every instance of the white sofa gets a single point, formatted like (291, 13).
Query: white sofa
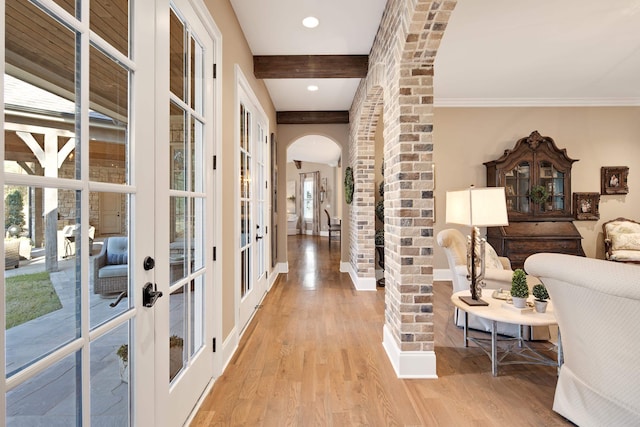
(498, 275)
(596, 303)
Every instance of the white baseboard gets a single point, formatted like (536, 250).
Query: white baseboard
(345, 267)
(324, 233)
(283, 267)
(409, 364)
(442, 274)
(360, 283)
(229, 347)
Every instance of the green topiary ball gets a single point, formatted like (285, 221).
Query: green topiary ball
(519, 288)
(540, 292)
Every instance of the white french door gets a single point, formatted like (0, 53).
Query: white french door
(108, 135)
(252, 192)
(184, 362)
(75, 133)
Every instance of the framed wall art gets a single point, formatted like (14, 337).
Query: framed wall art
(586, 206)
(613, 180)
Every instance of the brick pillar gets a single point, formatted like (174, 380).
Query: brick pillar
(401, 61)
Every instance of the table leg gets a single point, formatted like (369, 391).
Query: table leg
(466, 328)
(494, 348)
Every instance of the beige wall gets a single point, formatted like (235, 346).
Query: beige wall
(287, 135)
(235, 50)
(464, 138)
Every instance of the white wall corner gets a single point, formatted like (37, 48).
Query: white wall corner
(441, 274)
(409, 364)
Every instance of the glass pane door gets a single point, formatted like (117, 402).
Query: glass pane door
(70, 307)
(188, 359)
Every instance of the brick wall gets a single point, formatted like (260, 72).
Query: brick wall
(399, 88)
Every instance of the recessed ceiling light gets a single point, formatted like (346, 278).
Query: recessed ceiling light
(310, 22)
(312, 88)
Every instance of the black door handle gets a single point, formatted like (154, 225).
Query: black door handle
(258, 237)
(150, 294)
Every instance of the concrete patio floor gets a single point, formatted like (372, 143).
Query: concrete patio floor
(52, 397)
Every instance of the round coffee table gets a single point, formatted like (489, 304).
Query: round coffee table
(499, 310)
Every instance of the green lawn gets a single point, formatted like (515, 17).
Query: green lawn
(28, 297)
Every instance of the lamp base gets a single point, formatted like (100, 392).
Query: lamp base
(470, 301)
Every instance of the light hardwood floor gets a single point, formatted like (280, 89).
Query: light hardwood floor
(313, 356)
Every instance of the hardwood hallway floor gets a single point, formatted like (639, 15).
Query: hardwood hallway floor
(313, 356)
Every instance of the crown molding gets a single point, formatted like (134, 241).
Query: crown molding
(537, 102)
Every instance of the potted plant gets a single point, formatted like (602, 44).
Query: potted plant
(123, 354)
(176, 356)
(540, 293)
(176, 360)
(519, 288)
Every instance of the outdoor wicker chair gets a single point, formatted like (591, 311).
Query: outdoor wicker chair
(110, 267)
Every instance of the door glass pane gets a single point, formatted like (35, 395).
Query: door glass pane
(51, 398)
(177, 56)
(197, 315)
(199, 238)
(68, 5)
(109, 99)
(197, 77)
(109, 267)
(177, 329)
(42, 273)
(178, 148)
(29, 35)
(110, 378)
(178, 235)
(110, 20)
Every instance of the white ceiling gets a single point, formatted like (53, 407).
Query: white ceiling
(494, 52)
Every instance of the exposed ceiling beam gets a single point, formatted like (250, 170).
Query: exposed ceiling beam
(310, 66)
(311, 117)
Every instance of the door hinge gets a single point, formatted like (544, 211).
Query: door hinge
(215, 71)
(214, 253)
(215, 162)
(213, 345)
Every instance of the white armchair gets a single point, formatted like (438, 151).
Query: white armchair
(596, 303)
(498, 275)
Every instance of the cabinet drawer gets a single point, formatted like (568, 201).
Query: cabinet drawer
(532, 246)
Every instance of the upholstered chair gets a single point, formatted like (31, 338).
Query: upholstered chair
(110, 269)
(596, 303)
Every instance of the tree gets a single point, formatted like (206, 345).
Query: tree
(13, 208)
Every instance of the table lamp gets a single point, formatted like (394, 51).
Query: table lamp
(476, 207)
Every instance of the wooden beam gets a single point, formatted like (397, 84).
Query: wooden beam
(311, 117)
(310, 66)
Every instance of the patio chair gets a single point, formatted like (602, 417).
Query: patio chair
(110, 267)
(11, 253)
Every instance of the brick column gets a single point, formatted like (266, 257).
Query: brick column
(405, 49)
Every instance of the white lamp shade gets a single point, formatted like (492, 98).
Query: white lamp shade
(477, 207)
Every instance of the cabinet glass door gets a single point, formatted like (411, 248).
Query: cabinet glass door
(517, 182)
(553, 181)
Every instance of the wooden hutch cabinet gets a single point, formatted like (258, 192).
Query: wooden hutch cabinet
(536, 176)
